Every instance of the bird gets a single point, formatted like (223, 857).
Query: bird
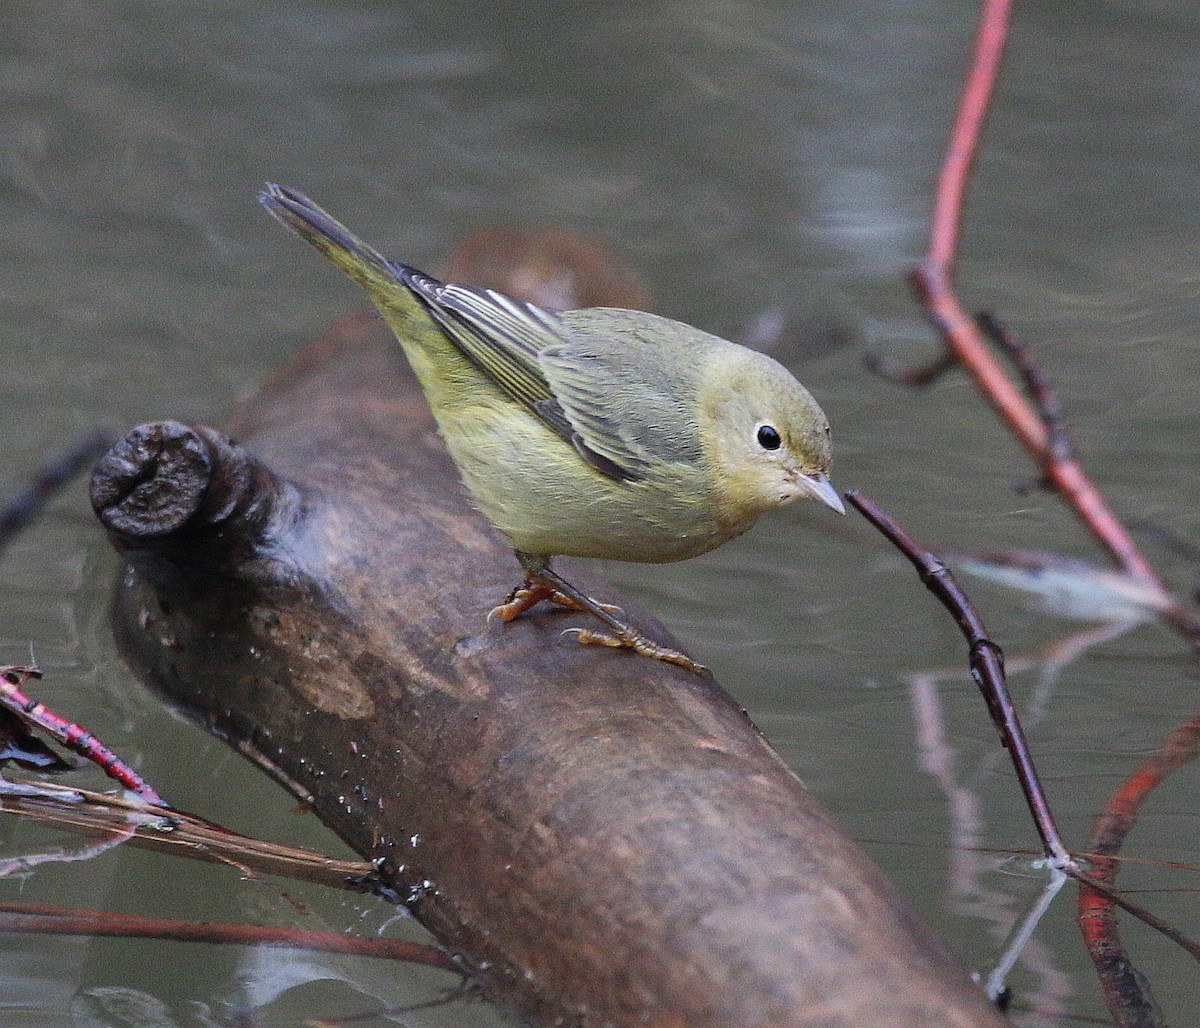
(600, 432)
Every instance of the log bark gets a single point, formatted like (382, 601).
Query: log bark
(605, 839)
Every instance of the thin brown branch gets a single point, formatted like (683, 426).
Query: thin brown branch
(53, 920)
(21, 511)
(166, 830)
(1059, 446)
(987, 668)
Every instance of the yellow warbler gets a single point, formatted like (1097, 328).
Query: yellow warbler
(591, 433)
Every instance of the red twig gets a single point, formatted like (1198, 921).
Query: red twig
(1128, 999)
(968, 126)
(932, 281)
(52, 920)
(78, 740)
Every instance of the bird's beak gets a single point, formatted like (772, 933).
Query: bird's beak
(819, 486)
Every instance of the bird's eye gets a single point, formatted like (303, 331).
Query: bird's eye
(768, 438)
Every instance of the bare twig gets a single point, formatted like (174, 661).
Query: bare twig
(166, 830)
(1128, 999)
(21, 511)
(1059, 446)
(987, 668)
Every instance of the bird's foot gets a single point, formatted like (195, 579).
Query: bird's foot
(628, 638)
(543, 584)
(521, 599)
(533, 591)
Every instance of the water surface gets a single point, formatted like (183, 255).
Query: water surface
(743, 156)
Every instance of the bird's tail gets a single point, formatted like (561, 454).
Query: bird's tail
(388, 283)
(363, 263)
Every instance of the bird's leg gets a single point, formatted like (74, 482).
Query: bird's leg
(563, 600)
(623, 634)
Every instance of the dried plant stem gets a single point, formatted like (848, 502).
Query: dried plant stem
(148, 826)
(53, 920)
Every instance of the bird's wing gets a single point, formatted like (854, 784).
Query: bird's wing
(626, 407)
(500, 335)
(506, 338)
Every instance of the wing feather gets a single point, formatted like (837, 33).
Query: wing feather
(635, 423)
(579, 385)
(500, 335)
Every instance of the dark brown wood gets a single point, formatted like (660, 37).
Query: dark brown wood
(606, 838)
(987, 669)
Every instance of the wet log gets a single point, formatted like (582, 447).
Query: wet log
(605, 839)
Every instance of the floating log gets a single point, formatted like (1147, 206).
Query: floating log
(605, 839)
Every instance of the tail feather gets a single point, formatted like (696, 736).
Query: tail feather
(362, 262)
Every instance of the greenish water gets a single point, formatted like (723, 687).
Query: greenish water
(742, 156)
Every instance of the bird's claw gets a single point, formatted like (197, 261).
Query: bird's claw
(633, 640)
(545, 585)
(520, 600)
(502, 612)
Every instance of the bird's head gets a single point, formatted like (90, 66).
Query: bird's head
(765, 437)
